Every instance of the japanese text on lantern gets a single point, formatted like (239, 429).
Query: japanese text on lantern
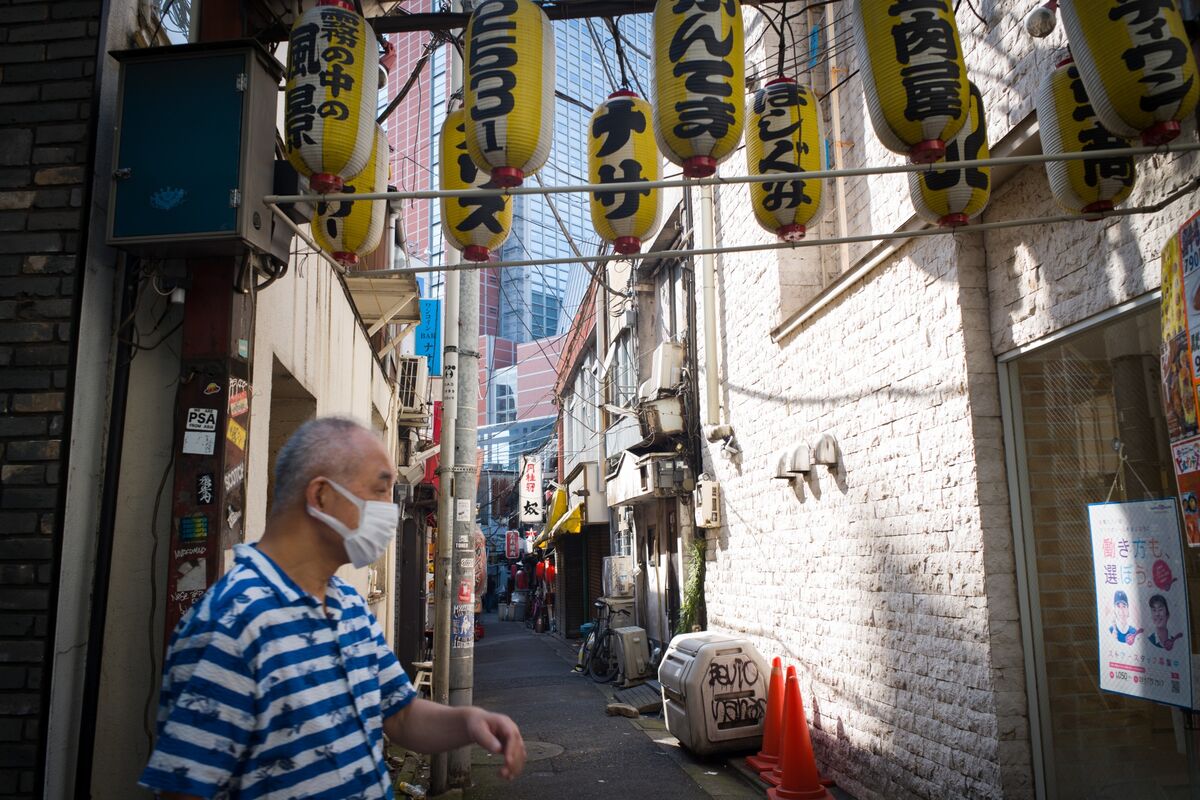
(326, 49)
(927, 47)
(706, 109)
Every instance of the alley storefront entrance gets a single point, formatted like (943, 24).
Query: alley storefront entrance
(1074, 406)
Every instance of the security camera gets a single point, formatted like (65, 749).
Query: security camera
(1040, 22)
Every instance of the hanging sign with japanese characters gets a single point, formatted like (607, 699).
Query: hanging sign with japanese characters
(621, 149)
(1180, 362)
(509, 89)
(1136, 63)
(332, 89)
(783, 134)
(1141, 601)
(913, 73)
(1069, 124)
(951, 197)
(700, 79)
(531, 489)
(348, 231)
(477, 226)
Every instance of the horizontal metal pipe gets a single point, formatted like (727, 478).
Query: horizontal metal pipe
(757, 248)
(631, 186)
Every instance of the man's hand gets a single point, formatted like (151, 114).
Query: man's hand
(427, 727)
(497, 733)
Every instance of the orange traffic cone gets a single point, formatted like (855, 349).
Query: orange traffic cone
(768, 756)
(773, 773)
(800, 778)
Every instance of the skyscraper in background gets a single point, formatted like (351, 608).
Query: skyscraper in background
(520, 304)
(522, 310)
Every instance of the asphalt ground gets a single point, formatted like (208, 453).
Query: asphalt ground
(576, 751)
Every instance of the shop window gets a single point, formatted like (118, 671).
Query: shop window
(1074, 404)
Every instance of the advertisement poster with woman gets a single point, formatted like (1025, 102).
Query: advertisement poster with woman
(1141, 601)
(1180, 359)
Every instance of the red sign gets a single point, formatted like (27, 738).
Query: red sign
(512, 545)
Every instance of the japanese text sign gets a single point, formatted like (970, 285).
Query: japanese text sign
(1141, 601)
(531, 489)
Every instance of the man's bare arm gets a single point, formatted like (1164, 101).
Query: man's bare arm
(427, 727)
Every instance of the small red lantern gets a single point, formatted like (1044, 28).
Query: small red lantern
(522, 580)
(540, 570)
(550, 573)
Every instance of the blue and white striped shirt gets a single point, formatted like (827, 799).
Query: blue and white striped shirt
(268, 694)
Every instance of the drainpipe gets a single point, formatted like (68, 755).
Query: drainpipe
(705, 221)
(839, 183)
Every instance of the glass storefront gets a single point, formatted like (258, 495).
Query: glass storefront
(1074, 404)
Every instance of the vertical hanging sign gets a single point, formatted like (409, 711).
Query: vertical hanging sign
(1180, 359)
(531, 489)
(1144, 633)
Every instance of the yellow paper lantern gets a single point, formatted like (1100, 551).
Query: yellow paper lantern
(1069, 125)
(332, 89)
(1136, 64)
(509, 90)
(783, 134)
(699, 78)
(474, 225)
(351, 230)
(621, 149)
(913, 74)
(952, 197)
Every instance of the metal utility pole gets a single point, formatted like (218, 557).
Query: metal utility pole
(444, 577)
(462, 634)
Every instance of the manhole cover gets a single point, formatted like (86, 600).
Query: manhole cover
(534, 751)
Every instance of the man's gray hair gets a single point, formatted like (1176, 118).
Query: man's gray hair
(322, 446)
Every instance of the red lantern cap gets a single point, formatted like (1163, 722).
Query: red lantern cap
(928, 151)
(791, 233)
(326, 182)
(1098, 207)
(622, 93)
(780, 79)
(699, 166)
(476, 252)
(346, 4)
(627, 245)
(953, 220)
(1160, 133)
(507, 177)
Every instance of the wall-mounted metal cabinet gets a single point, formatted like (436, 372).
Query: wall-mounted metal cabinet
(195, 151)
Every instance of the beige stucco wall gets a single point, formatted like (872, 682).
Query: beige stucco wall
(306, 323)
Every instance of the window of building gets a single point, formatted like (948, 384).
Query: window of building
(504, 404)
(544, 309)
(1068, 403)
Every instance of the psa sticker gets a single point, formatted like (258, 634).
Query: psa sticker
(201, 419)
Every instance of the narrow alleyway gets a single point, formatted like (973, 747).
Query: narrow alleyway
(575, 750)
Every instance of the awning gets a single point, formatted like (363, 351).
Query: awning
(571, 522)
(560, 519)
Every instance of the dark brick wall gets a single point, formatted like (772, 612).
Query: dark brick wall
(47, 61)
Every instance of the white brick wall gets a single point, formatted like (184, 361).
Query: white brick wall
(891, 583)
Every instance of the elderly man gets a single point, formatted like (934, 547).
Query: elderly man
(278, 683)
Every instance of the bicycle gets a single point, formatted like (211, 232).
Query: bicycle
(602, 656)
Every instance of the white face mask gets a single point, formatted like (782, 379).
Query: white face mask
(376, 529)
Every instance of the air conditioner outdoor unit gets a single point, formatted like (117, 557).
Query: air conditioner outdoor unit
(633, 654)
(412, 378)
(666, 363)
(708, 503)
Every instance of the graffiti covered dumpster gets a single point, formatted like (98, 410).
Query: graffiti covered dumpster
(714, 690)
